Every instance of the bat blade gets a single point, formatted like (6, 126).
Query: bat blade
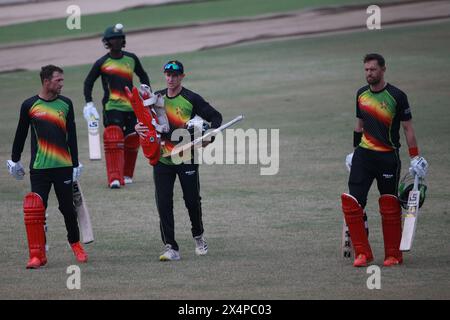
(84, 219)
(198, 142)
(94, 140)
(410, 222)
(346, 242)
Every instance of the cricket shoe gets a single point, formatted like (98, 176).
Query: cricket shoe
(127, 180)
(361, 261)
(115, 184)
(35, 263)
(169, 254)
(79, 252)
(392, 261)
(201, 247)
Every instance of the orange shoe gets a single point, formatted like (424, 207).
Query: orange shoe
(34, 263)
(79, 253)
(361, 260)
(392, 261)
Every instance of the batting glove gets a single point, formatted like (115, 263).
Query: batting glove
(348, 161)
(419, 166)
(15, 169)
(77, 172)
(89, 112)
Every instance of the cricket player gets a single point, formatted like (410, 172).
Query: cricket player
(181, 105)
(54, 161)
(381, 109)
(116, 69)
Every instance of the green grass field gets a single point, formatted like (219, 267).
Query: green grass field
(158, 17)
(270, 237)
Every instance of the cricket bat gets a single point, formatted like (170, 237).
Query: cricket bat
(198, 142)
(346, 242)
(84, 219)
(411, 215)
(94, 140)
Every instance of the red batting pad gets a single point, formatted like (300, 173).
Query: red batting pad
(353, 214)
(391, 219)
(114, 153)
(150, 144)
(34, 218)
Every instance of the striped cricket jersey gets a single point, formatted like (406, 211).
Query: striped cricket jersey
(179, 110)
(116, 74)
(53, 133)
(381, 113)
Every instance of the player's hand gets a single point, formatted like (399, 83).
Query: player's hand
(348, 161)
(419, 166)
(145, 91)
(196, 123)
(15, 169)
(77, 172)
(89, 112)
(141, 129)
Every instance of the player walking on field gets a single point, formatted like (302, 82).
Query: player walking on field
(54, 161)
(181, 105)
(380, 110)
(116, 69)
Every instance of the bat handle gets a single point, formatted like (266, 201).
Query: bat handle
(416, 182)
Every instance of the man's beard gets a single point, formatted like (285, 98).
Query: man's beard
(373, 81)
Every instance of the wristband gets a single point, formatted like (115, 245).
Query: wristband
(414, 151)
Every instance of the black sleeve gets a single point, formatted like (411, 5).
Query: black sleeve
(140, 72)
(21, 132)
(90, 79)
(72, 135)
(206, 111)
(403, 107)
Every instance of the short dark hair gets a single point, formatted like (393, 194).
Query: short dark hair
(47, 71)
(375, 56)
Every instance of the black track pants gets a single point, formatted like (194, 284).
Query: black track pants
(368, 165)
(164, 177)
(61, 178)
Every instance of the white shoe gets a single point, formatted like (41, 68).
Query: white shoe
(127, 180)
(115, 184)
(201, 247)
(169, 254)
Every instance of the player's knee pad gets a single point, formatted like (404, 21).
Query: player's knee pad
(351, 207)
(131, 152)
(114, 152)
(34, 218)
(389, 206)
(132, 141)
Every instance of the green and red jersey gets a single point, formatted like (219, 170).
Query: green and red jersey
(179, 110)
(53, 133)
(381, 113)
(116, 73)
